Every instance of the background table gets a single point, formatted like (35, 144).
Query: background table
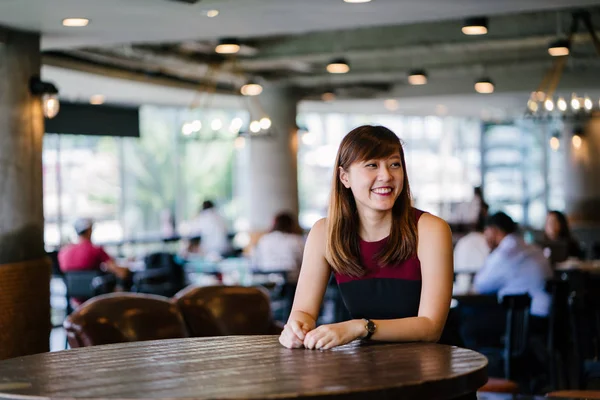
(248, 367)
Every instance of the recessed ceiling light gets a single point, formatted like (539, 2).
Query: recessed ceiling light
(228, 46)
(251, 89)
(391, 104)
(212, 13)
(559, 48)
(417, 77)
(484, 85)
(356, 1)
(97, 99)
(75, 22)
(338, 66)
(475, 26)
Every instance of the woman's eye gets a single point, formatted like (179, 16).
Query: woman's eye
(371, 165)
(396, 165)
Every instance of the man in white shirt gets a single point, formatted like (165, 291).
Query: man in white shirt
(212, 229)
(513, 267)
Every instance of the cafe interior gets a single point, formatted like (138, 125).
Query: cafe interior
(193, 143)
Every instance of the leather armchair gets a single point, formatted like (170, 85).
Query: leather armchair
(124, 317)
(227, 310)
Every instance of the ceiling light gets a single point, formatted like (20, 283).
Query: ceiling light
(484, 85)
(357, 1)
(212, 13)
(338, 66)
(549, 104)
(417, 77)
(554, 143)
(97, 99)
(561, 104)
(75, 22)
(196, 125)
(575, 104)
(254, 126)
(587, 103)
(216, 124)
(475, 26)
(441, 109)
(576, 140)
(265, 123)
(228, 46)
(251, 89)
(559, 48)
(328, 96)
(391, 104)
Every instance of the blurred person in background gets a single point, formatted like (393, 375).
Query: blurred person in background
(85, 256)
(558, 243)
(281, 249)
(212, 228)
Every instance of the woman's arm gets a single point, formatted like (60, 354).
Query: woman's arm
(435, 253)
(312, 283)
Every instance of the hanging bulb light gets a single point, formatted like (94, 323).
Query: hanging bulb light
(587, 103)
(554, 143)
(187, 129)
(196, 125)
(561, 104)
(484, 86)
(417, 77)
(559, 47)
(228, 46)
(549, 104)
(254, 126)
(532, 105)
(575, 104)
(251, 89)
(338, 66)
(475, 26)
(576, 140)
(265, 123)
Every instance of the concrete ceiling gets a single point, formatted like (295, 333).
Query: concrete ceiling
(290, 42)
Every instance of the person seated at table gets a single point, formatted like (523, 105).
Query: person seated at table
(514, 267)
(558, 243)
(281, 249)
(85, 256)
(470, 253)
(392, 262)
(192, 249)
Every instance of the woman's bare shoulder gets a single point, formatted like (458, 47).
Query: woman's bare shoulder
(431, 226)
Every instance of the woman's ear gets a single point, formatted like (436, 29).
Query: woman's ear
(343, 174)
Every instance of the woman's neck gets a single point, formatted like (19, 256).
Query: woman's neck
(374, 226)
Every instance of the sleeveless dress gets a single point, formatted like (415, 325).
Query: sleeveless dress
(387, 293)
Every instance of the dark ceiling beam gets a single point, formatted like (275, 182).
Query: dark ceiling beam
(410, 52)
(59, 60)
(471, 71)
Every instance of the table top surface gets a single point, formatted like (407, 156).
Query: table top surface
(244, 367)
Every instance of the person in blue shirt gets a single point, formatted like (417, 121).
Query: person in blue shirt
(513, 267)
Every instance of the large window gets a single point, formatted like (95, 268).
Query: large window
(136, 187)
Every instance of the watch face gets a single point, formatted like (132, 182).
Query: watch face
(370, 326)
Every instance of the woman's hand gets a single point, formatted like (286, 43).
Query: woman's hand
(327, 336)
(294, 333)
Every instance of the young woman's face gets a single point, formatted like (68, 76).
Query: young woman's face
(375, 184)
(552, 227)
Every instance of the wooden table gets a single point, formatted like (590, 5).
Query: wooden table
(245, 367)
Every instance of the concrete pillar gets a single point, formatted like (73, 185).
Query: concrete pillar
(270, 163)
(582, 173)
(24, 269)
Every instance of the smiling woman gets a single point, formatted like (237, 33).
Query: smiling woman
(379, 248)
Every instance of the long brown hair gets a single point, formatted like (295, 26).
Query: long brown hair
(367, 142)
